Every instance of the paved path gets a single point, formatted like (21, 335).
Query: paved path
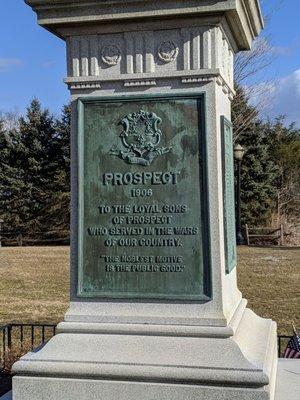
(7, 396)
(288, 380)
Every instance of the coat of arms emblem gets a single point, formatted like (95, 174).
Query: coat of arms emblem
(140, 138)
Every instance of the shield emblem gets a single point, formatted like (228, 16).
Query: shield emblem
(140, 138)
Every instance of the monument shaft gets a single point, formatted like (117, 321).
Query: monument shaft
(155, 311)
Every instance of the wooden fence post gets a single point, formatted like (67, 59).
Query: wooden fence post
(9, 336)
(247, 235)
(1, 222)
(281, 235)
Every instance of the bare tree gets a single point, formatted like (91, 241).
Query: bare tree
(10, 119)
(252, 87)
(251, 84)
(248, 64)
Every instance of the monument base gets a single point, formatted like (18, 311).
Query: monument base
(287, 377)
(128, 367)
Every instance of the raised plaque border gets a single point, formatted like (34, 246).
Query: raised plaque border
(203, 186)
(228, 198)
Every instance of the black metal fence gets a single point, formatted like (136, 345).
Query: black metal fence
(15, 238)
(282, 341)
(17, 339)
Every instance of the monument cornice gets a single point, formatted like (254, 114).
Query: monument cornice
(186, 77)
(243, 16)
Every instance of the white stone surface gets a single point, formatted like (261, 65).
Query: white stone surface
(288, 379)
(203, 363)
(196, 55)
(62, 389)
(183, 329)
(226, 297)
(244, 17)
(287, 388)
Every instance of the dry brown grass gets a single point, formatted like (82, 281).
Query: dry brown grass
(269, 279)
(34, 283)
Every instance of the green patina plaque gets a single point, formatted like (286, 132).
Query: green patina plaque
(228, 196)
(143, 230)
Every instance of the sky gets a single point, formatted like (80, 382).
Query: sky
(33, 61)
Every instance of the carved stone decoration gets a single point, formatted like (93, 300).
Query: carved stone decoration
(146, 82)
(167, 51)
(110, 54)
(140, 138)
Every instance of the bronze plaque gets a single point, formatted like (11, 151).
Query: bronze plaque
(142, 199)
(228, 196)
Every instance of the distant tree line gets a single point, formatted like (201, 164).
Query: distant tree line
(35, 169)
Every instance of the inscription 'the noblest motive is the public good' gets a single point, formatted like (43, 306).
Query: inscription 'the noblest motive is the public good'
(142, 228)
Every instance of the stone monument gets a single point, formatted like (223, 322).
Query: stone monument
(155, 312)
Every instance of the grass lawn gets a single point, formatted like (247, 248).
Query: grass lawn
(269, 279)
(34, 283)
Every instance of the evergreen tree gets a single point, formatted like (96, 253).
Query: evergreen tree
(34, 177)
(58, 206)
(285, 151)
(258, 177)
(11, 186)
(259, 171)
(37, 165)
(4, 165)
